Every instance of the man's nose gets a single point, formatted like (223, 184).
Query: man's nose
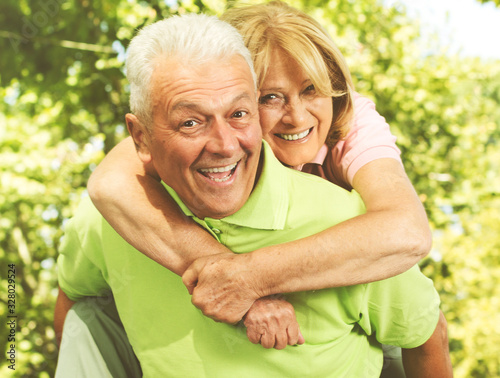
(296, 114)
(223, 139)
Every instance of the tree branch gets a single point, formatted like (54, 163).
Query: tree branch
(61, 43)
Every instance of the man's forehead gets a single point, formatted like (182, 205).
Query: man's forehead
(178, 65)
(217, 82)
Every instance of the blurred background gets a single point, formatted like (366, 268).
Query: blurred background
(432, 68)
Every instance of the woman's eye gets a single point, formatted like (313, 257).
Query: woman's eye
(267, 98)
(310, 88)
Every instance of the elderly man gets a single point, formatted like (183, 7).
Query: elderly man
(195, 118)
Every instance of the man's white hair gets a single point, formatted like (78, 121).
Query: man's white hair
(193, 38)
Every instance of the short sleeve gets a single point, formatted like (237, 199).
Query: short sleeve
(369, 139)
(79, 273)
(402, 310)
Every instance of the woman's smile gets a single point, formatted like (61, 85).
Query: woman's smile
(295, 118)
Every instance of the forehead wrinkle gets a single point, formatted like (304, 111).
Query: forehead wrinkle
(178, 87)
(196, 106)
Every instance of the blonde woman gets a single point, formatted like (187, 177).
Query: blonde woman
(309, 113)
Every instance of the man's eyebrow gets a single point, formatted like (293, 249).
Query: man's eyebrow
(195, 106)
(242, 96)
(185, 104)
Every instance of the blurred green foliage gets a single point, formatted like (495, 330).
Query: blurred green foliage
(496, 2)
(64, 99)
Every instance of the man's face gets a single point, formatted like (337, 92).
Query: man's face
(206, 138)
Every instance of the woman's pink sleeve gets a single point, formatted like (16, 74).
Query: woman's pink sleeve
(369, 138)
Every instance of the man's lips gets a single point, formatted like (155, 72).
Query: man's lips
(292, 137)
(219, 174)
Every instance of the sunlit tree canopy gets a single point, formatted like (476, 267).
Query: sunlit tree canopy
(63, 97)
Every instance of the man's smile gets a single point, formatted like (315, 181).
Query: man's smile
(219, 174)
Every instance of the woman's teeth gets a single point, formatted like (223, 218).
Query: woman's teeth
(294, 136)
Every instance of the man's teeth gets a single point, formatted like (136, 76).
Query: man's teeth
(217, 178)
(220, 169)
(294, 136)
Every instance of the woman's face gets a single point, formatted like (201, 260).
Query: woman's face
(295, 120)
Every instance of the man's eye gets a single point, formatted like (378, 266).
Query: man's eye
(239, 114)
(190, 123)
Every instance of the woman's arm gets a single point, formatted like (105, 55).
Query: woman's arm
(392, 236)
(135, 203)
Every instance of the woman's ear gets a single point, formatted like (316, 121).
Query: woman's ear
(141, 137)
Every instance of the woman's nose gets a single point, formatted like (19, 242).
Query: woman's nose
(296, 114)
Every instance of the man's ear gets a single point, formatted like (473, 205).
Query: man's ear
(141, 137)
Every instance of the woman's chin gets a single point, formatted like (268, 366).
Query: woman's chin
(294, 154)
(292, 161)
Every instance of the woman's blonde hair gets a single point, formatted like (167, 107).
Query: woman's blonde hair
(267, 26)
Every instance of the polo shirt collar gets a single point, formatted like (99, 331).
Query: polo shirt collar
(267, 206)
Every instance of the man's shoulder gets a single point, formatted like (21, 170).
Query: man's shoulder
(309, 195)
(316, 200)
(88, 232)
(86, 223)
(320, 190)
(297, 180)
(86, 213)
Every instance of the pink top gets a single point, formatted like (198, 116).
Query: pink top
(368, 139)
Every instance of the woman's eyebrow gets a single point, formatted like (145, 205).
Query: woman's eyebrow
(278, 89)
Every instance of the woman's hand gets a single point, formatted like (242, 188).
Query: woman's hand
(222, 286)
(223, 289)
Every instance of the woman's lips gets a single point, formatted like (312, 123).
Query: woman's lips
(292, 137)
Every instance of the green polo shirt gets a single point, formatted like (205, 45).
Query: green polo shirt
(342, 326)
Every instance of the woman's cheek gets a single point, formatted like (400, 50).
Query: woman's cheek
(268, 119)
